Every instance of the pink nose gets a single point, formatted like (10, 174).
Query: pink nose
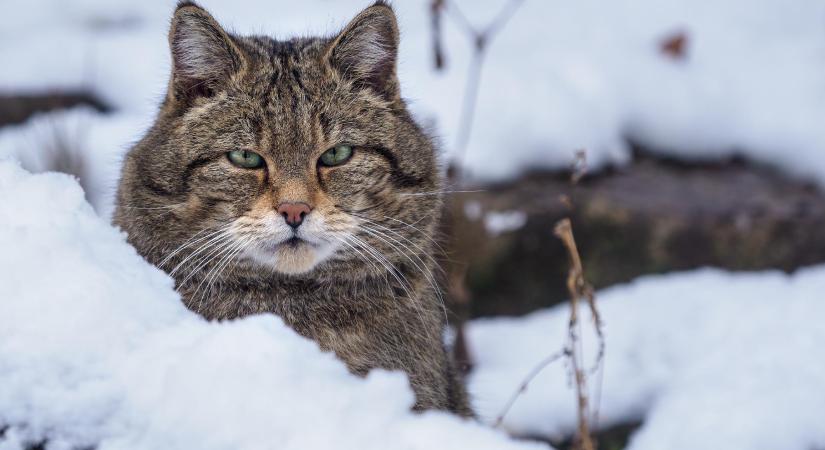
(294, 212)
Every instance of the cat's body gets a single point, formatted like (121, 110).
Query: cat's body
(289, 178)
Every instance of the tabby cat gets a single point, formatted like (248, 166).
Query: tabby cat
(288, 177)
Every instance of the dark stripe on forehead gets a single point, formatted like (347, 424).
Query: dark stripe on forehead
(325, 123)
(296, 75)
(275, 63)
(299, 90)
(274, 79)
(289, 77)
(288, 48)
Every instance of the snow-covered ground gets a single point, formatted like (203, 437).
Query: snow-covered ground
(706, 359)
(95, 347)
(97, 351)
(561, 76)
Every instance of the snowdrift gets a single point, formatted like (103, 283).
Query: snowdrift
(706, 359)
(96, 349)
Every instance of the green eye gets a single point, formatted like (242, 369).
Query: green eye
(245, 159)
(336, 155)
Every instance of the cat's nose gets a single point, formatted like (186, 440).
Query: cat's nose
(294, 212)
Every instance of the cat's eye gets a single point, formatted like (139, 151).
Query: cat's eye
(245, 159)
(336, 155)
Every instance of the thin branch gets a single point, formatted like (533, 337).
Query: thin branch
(468, 107)
(576, 284)
(504, 16)
(481, 39)
(525, 383)
(579, 290)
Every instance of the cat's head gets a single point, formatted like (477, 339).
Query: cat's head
(294, 155)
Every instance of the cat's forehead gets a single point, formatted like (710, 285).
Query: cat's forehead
(296, 47)
(287, 73)
(269, 55)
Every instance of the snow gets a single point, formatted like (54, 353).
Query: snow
(498, 222)
(707, 359)
(96, 142)
(96, 350)
(561, 77)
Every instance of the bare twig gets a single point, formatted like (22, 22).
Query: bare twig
(480, 38)
(439, 60)
(504, 16)
(579, 290)
(468, 107)
(524, 384)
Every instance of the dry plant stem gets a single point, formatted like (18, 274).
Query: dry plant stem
(579, 289)
(576, 284)
(526, 382)
(435, 28)
(481, 39)
(468, 106)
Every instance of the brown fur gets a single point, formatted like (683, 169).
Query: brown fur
(214, 226)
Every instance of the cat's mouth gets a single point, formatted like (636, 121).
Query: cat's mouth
(294, 241)
(293, 255)
(290, 243)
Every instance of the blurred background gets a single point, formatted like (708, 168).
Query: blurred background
(684, 139)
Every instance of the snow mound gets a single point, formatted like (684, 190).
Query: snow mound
(96, 349)
(707, 359)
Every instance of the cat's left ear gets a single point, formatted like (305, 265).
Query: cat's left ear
(366, 51)
(204, 56)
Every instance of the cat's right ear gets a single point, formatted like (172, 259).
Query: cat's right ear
(366, 51)
(204, 56)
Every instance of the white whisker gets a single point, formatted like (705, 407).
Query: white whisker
(215, 238)
(188, 242)
(424, 270)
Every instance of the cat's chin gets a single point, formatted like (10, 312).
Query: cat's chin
(295, 264)
(293, 258)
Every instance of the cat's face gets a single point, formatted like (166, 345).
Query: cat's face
(282, 156)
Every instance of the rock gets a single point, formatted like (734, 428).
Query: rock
(652, 216)
(18, 108)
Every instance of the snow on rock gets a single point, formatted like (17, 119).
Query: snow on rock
(79, 141)
(562, 76)
(498, 222)
(707, 359)
(96, 349)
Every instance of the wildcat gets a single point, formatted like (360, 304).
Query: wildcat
(288, 177)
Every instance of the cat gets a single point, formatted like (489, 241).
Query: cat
(288, 177)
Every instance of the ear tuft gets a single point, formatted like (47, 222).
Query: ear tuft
(203, 54)
(185, 3)
(366, 50)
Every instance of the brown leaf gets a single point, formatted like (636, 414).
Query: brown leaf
(675, 45)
